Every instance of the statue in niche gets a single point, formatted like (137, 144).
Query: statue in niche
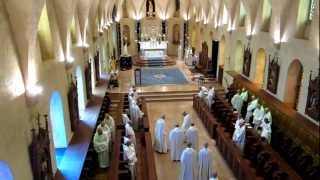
(176, 34)
(273, 75)
(313, 98)
(246, 61)
(151, 11)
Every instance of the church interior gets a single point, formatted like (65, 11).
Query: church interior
(109, 89)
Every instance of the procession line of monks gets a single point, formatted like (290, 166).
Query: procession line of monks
(194, 166)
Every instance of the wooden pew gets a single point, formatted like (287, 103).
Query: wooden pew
(231, 153)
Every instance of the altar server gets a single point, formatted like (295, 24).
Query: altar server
(186, 121)
(176, 138)
(189, 164)
(192, 136)
(100, 144)
(258, 115)
(205, 163)
(239, 135)
(237, 102)
(160, 139)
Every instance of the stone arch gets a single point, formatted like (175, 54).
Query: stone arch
(238, 63)
(260, 67)
(44, 36)
(58, 128)
(293, 84)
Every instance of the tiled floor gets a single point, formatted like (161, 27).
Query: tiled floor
(167, 169)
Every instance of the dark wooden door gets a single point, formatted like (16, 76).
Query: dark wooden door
(220, 74)
(97, 67)
(87, 73)
(215, 52)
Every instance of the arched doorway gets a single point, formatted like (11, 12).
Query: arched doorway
(58, 126)
(5, 171)
(260, 67)
(80, 90)
(293, 84)
(238, 57)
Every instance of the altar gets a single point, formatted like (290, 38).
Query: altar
(153, 50)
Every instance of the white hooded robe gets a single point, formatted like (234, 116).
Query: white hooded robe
(176, 138)
(160, 139)
(205, 163)
(192, 136)
(189, 164)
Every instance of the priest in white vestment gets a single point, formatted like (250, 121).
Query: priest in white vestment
(205, 163)
(210, 97)
(100, 144)
(251, 107)
(237, 102)
(239, 135)
(160, 136)
(130, 132)
(203, 91)
(192, 137)
(186, 121)
(130, 153)
(189, 164)
(266, 130)
(135, 114)
(176, 138)
(258, 115)
(111, 125)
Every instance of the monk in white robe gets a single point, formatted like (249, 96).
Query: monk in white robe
(130, 132)
(267, 115)
(251, 107)
(125, 117)
(237, 102)
(244, 95)
(210, 97)
(176, 138)
(111, 125)
(203, 91)
(189, 164)
(107, 131)
(239, 135)
(160, 136)
(130, 153)
(266, 130)
(258, 115)
(186, 121)
(205, 163)
(135, 114)
(192, 137)
(100, 144)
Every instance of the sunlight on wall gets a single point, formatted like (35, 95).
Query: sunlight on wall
(57, 121)
(260, 67)
(5, 171)
(16, 85)
(44, 36)
(81, 101)
(239, 57)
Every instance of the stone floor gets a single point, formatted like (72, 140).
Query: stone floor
(167, 169)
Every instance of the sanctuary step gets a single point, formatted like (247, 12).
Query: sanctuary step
(169, 96)
(154, 62)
